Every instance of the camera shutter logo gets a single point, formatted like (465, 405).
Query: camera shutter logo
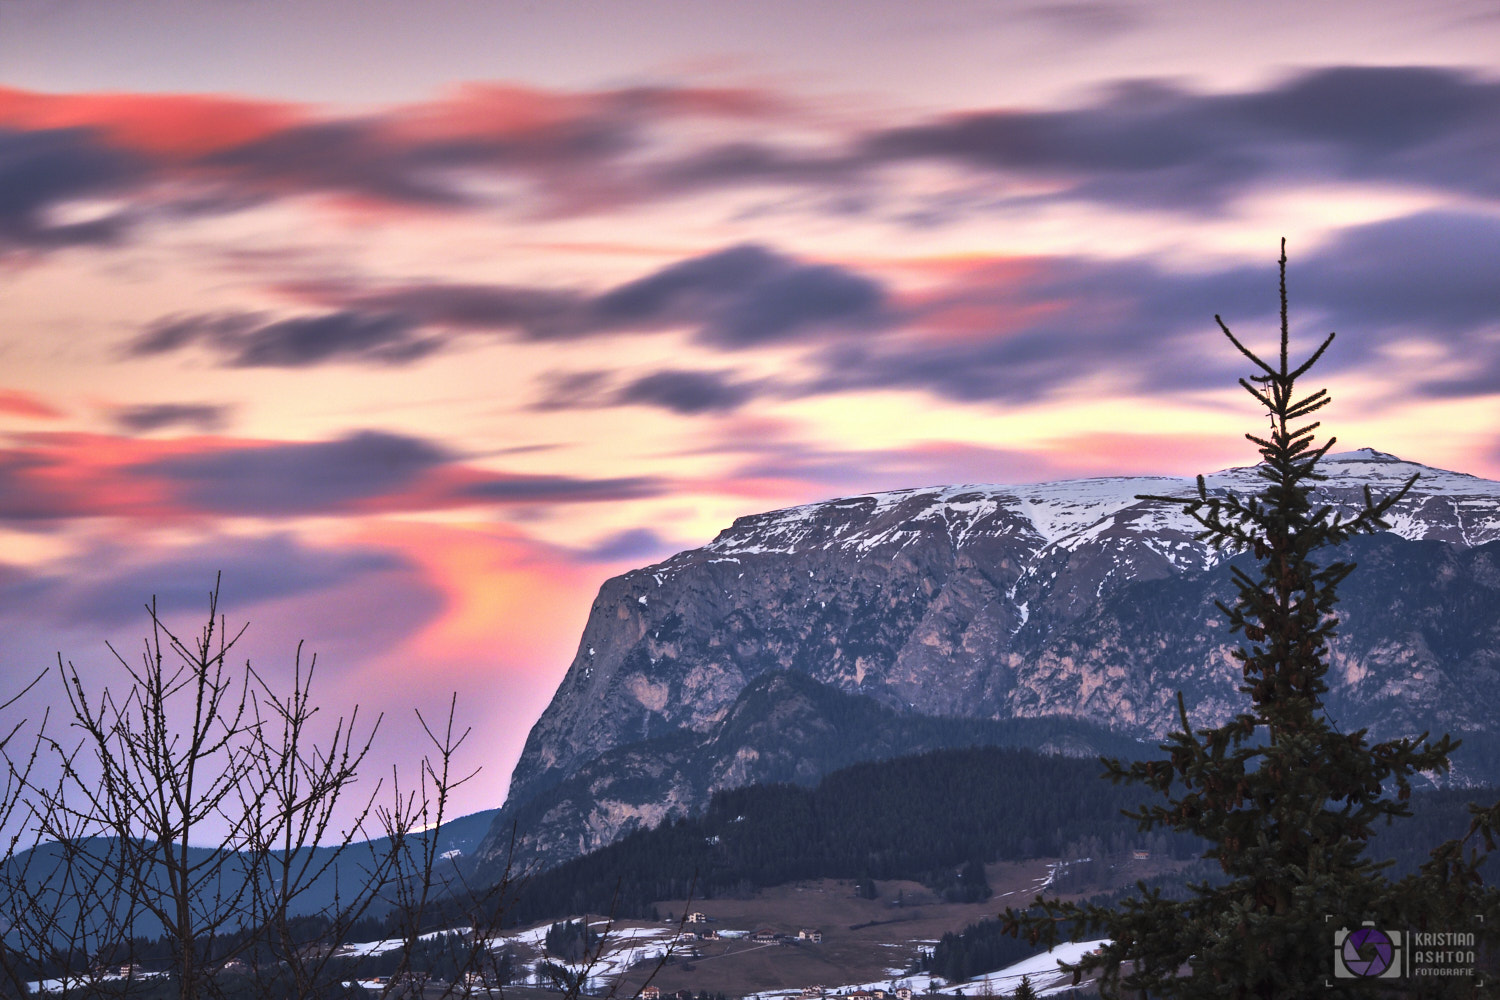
(1369, 953)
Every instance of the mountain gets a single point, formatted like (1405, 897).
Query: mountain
(1071, 600)
(46, 864)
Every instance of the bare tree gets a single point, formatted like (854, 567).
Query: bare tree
(15, 870)
(198, 805)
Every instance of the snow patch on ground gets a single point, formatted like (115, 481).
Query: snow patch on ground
(1046, 978)
(368, 948)
(624, 947)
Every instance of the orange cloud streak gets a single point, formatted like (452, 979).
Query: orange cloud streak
(507, 597)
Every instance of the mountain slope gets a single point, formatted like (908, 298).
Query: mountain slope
(1068, 599)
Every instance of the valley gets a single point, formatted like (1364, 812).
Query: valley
(865, 942)
(860, 943)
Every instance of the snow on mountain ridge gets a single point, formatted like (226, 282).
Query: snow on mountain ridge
(1075, 512)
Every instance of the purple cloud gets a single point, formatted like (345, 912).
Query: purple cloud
(638, 545)
(1160, 146)
(1423, 276)
(296, 478)
(155, 416)
(524, 489)
(43, 171)
(745, 296)
(687, 392)
(1146, 144)
(253, 569)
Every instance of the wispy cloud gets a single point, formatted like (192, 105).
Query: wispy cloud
(251, 340)
(58, 477)
(745, 296)
(633, 545)
(1014, 330)
(738, 298)
(542, 489)
(1157, 145)
(1087, 20)
(1422, 279)
(175, 153)
(1148, 145)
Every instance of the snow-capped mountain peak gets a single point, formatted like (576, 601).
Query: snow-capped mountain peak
(1075, 599)
(1444, 504)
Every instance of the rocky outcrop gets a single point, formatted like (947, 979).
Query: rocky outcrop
(1073, 600)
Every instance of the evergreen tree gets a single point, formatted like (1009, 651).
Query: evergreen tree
(1025, 991)
(1285, 801)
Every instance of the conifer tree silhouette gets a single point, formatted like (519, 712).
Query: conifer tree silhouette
(1285, 801)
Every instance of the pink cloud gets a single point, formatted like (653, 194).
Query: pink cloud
(494, 109)
(1121, 453)
(978, 297)
(170, 126)
(24, 404)
(63, 475)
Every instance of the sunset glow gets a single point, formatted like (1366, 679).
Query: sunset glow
(419, 327)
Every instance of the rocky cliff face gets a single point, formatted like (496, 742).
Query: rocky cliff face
(1070, 599)
(783, 727)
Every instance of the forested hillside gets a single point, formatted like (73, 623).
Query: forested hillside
(925, 818)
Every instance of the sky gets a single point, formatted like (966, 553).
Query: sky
(417, 322)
